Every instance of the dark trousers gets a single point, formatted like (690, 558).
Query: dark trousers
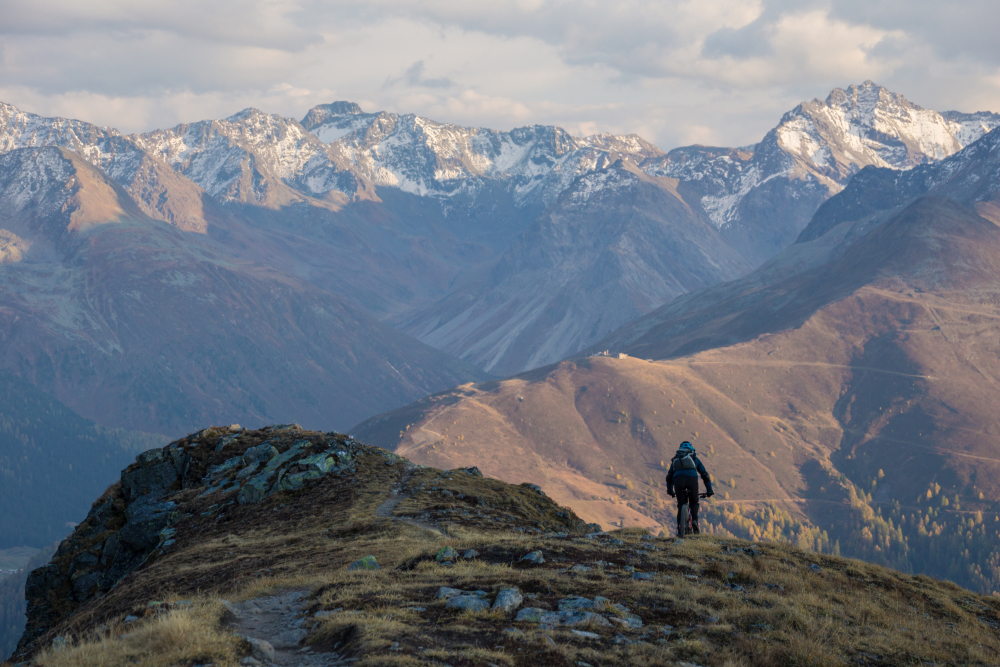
(686, 489)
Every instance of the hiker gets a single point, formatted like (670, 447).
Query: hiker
(683, 474)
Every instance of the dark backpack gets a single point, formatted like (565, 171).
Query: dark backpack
(685, 461)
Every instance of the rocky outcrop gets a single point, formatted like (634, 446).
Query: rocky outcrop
(134, 521)
(12, 247)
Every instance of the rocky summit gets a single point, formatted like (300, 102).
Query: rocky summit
(283, 546)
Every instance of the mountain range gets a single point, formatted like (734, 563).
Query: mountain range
(428, 225)
(135, 323)
(842, 394)
(260, 269)
(819, 313)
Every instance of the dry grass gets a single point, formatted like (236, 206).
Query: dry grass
(714, 602)
(177, 637)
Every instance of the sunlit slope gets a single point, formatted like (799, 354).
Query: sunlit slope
(866, 386)
(134, 323)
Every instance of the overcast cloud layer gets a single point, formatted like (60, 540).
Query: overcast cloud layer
(707, 71)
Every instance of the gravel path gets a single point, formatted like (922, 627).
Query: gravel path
(274, 626)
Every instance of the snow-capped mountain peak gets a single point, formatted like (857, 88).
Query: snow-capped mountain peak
(811, 154)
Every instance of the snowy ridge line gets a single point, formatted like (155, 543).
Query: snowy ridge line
(337, 148)
(826, 141)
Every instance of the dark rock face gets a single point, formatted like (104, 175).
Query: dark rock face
(134, 520)
(159, 470)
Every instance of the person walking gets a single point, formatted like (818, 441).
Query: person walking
(683, 476)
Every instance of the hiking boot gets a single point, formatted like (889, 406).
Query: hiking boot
(695, 529)
(679, 533)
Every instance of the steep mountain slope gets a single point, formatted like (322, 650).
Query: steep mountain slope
(131, 322)
(762, 196)
(333, 552)
(154, 187)
(616, 244)
(706, 319)
(759, 199)
(45, 446)
(857, 415)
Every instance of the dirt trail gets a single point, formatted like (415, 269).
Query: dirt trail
(275, 626)
(398, 495)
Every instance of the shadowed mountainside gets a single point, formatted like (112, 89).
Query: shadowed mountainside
(132, 322)
(45, 446)
(616, 244)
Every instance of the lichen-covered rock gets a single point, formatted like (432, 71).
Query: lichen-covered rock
(446, 554)
(366, 563)
(445, 593)
(145, 518)
(254, 490)
(216, 472)
(262, 452)
(579, 617)
(576, 603)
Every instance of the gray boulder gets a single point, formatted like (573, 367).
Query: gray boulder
(535, 558)
(446, 554)
(531, 614)
(259, 648)
(508, 600)
(445, 593)
(262, 452)
(366, 563)
(468, 603)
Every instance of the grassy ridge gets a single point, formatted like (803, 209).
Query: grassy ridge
(711, 600)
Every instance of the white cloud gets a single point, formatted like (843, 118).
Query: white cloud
(674, 71)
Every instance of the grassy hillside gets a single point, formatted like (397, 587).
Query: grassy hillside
(53, 463)
(278, 571)
(857, 416)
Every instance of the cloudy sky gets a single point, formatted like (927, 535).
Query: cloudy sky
(705, 71)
